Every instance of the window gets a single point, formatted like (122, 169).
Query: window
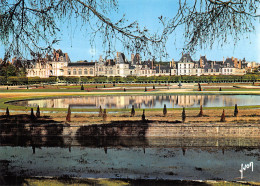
(196, 66)
(69, 72)
(74, 71)
(85, 71)
(91, 71)
(80, 71)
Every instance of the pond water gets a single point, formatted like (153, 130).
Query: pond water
(145, 158)
(147, 101)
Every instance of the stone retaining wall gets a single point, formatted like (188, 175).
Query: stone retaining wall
(203, 131)
(131, 129)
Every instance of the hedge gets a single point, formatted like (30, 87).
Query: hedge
(13, 80)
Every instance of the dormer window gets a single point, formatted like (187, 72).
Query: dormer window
(228, 65)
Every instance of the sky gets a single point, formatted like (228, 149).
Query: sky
(75, 41)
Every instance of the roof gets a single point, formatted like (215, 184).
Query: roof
(230, 62)
(121, 58)
(162, 67)
(187, 57)
(77, 64)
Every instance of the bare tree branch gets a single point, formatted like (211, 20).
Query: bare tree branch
(32, 26)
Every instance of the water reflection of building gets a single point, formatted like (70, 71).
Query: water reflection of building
(151, 101)
(119, 101)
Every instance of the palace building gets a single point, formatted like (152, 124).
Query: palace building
(59, 64)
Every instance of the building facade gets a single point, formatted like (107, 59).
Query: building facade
(59, 64)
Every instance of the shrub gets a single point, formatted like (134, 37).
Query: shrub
(38, 114)
(105, 115)
(236, 110)
(223, 118)
(82, 87)
(7, 113)
(100, 111)
(164, 110)
(183, 115)
(143, 115)
(133, 111)
(68, 117)
(201, 111)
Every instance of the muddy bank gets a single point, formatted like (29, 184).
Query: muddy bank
(12, 180)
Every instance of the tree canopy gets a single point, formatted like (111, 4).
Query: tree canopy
(32, 26)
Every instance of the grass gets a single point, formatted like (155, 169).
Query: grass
(71, 90)
(231, 89)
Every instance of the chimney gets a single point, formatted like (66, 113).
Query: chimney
(66, 57)
(223, 60)
(132, 57)
(235, 63)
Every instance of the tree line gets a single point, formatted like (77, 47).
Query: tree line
(16, 80)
